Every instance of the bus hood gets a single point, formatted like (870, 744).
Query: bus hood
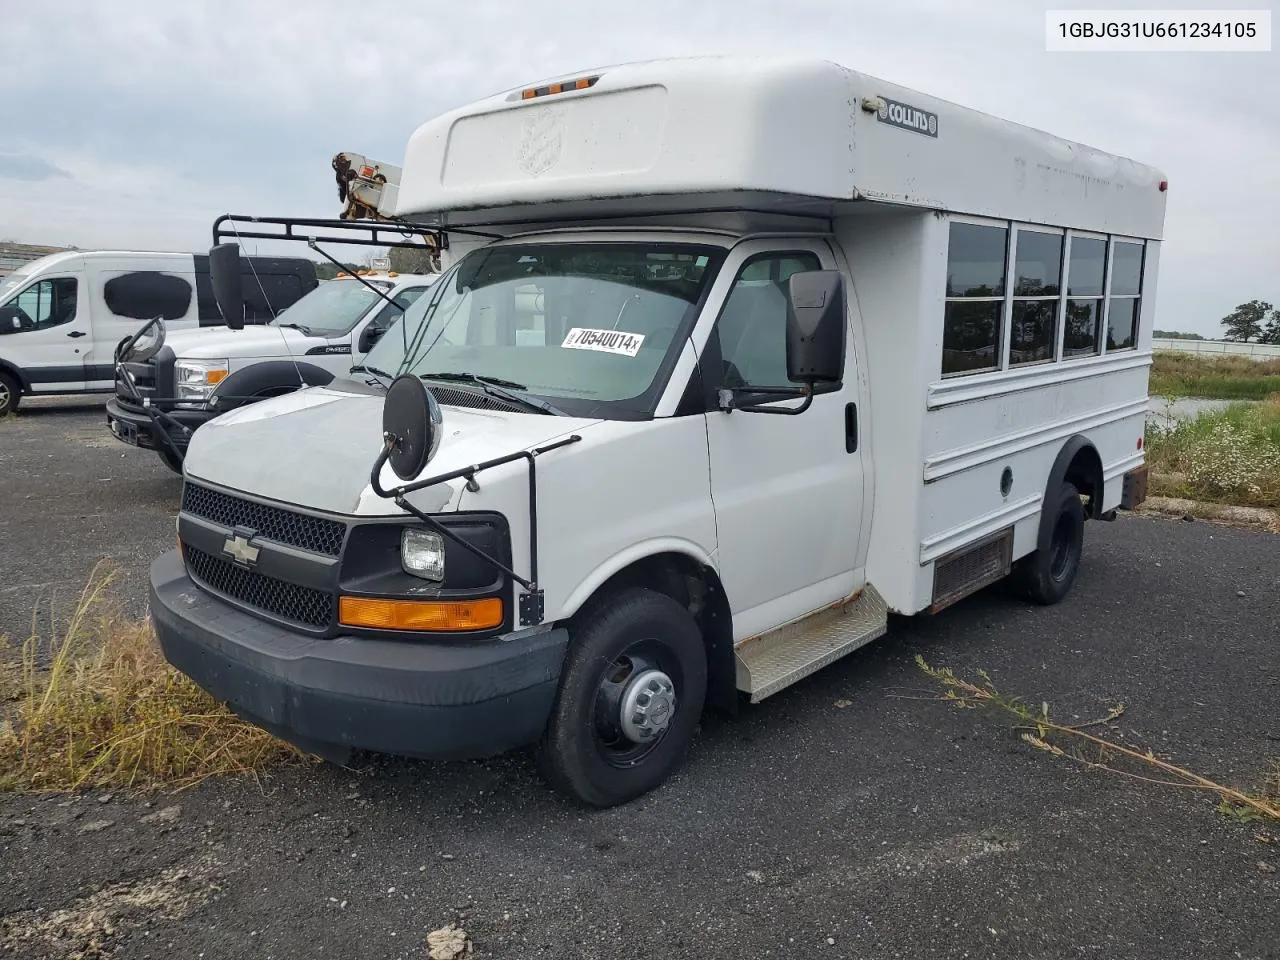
(316, 447)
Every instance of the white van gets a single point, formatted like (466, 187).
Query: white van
(62, 316)
(762, 352)
(189, 377)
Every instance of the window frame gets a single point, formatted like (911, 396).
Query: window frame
(1018, 228)
(1014, 229)
(1137, 298)
(1002, 320)
(773, 253)
(37, 326)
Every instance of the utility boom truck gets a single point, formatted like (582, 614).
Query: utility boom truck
(754, 354)
(169, 383)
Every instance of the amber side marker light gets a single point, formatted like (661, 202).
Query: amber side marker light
(428, 615)
(582, 83)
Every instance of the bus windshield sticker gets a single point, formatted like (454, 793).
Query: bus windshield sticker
(604, 341)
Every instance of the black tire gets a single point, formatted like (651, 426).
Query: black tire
(171, 461)
(10, 394)
(1046, 576)
(585, 752)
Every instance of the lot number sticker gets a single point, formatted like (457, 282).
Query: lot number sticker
(604, 341)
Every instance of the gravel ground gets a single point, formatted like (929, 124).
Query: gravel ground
(849, 816)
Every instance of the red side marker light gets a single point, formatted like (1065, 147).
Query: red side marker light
(1164, 185)
(1139, 443)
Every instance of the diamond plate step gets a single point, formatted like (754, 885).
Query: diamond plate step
(775, 660)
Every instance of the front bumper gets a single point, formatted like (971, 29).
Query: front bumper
(329, 697)
(132, 424)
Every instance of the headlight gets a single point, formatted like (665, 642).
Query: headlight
(422, 554)
(197, 378)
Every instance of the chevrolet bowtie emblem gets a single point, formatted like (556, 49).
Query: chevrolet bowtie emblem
(238, 548)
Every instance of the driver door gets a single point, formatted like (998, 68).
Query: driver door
(787, 490)
(45, 330)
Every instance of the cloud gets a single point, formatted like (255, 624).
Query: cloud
(24, 166)
(165, 115)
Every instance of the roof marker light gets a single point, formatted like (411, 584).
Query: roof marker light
(582, 83)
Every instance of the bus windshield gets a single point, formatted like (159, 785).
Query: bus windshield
(590, 327)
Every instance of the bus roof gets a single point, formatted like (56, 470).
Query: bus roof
(783, 135)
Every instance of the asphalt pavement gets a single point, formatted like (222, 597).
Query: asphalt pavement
(851, 816)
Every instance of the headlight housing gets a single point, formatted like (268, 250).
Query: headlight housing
(196, 379)
(422, 554)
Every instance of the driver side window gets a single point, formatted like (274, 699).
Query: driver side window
(390, 314)
(49, 303)
(753, 324)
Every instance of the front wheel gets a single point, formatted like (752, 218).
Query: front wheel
(630, 698)
(1046, 576)
(10, 394)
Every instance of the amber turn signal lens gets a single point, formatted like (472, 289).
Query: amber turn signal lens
(425, 615)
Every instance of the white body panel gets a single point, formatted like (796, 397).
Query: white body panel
(726, 132)
(788, 517)
(69, 351)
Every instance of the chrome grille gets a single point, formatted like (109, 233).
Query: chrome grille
(317, 534)
(289, 601)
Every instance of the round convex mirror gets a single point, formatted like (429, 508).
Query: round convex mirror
(144, 345)
(411, 417)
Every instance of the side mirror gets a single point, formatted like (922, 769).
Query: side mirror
(816, 327)
(371, 335)
(225, 270)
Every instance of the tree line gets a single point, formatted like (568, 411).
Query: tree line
(1256, 320)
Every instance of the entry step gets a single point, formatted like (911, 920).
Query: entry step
(775, 660)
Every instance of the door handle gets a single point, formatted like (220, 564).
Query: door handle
(76, 333)
(850, 427)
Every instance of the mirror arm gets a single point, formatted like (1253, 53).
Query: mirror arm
(311, 242)
(727, 397)
(531, 602)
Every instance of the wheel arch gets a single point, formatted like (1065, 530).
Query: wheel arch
(269, 376)
(1079, 463)
(16, 372)
(680, 570)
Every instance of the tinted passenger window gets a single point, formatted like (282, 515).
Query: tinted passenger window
(1037, 283)
(976, 258)
(49, 303)
(753, 325)
(1124, 307)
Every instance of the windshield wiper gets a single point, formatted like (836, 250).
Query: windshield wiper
(495, 387)
(365, 368)
(296, 326)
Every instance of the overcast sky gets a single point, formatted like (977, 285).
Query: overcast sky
(133, 123)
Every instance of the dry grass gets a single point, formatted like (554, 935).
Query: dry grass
(1224, 377)
(1100, 753)
(1227, 456)
(97, 705)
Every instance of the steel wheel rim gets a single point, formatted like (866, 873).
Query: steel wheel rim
(646, 659)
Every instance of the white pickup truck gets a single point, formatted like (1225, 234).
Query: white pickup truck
(174, 382)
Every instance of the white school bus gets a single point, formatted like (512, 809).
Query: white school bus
(741, 357)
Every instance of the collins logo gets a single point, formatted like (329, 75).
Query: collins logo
(907, 117)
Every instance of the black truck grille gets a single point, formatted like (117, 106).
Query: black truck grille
(300, 530)
(302, 605)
